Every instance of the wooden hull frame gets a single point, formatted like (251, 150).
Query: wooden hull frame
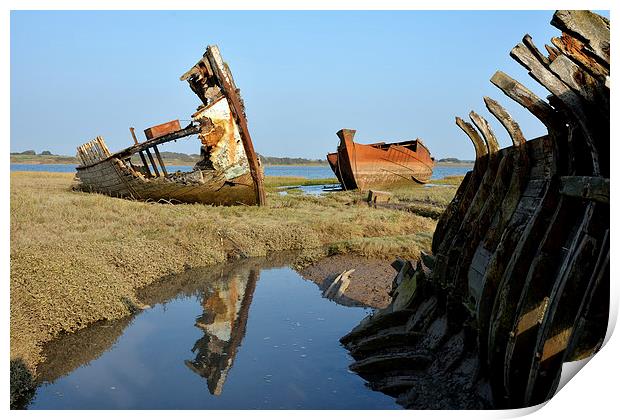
(519, 281)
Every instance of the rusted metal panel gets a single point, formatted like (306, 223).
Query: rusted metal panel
(162, 129)
(366, 166)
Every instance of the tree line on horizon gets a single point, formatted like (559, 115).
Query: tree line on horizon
(266, 160)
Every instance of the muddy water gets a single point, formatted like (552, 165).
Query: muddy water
(253, 335)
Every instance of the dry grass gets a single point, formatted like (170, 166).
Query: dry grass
(77, 258)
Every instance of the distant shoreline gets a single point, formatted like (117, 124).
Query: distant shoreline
(68, 160)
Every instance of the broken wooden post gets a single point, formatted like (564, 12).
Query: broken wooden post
(160, 160)
(148, 153)
(339, 285)
(375, 196)
(135, 140)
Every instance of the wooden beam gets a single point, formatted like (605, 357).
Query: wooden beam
(588, 27)
(148, 153)
(133, 134)
(557, 87)
(526, 98)
(576, 51)
(483, 126)
(514, 131)
(528, 42)
(146, 165)
(160, 160)
(234, 100)
(588, 187)
(479, 145)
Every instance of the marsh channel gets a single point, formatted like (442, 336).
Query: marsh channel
(251, 334)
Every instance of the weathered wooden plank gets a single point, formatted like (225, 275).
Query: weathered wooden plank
(186, 132)
(561, 315)
(587, 187)
(527, 216)
(374, 323)
(511, 126)
(237, 109)
(479, 145)
(552, 251)
(487, 133)
(146, 165)
(478, 228)
(576, 51)
(529, 43)
(552, 51)
(461, 238)
(448, 213)
(589, 88)
(593, 315)
(588, 27)
(160, 160)
(526, 98)
(150, 156)
(572, 101)
(454, 223)
(403, 361)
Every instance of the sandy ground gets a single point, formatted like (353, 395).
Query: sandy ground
(370, 282)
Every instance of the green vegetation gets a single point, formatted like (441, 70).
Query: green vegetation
(454, 161)
(270, 160)
(25, 152)
(34, 159)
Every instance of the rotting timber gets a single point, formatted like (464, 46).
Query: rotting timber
(229, 172)
(518, 283)
(378, 165)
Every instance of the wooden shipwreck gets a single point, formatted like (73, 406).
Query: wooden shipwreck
(229, 172)
(379, 165)
(518, 283)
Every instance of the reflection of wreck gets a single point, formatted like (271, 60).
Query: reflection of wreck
(223, 322)
(365, 166)
(519, 281)
(229, 172)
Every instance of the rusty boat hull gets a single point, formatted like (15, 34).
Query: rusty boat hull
(228, 173)
(379, 165)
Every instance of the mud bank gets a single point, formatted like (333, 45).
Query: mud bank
(369, 285)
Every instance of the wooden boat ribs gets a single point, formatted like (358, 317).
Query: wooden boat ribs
(518, 283)
(228, 173)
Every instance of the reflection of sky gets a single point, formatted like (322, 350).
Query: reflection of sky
(290, 358)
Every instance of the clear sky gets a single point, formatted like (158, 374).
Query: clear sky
(303, 75)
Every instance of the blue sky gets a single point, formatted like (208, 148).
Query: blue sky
(303, 75)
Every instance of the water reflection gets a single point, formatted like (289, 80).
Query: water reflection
(223, 322)
(256, 334)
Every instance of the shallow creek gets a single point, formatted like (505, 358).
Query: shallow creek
(248, 335)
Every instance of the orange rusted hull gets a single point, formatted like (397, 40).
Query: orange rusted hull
(366, 166)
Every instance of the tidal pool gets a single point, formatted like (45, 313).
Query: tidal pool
(248, 335)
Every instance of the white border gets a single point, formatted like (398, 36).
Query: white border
(592, 393)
